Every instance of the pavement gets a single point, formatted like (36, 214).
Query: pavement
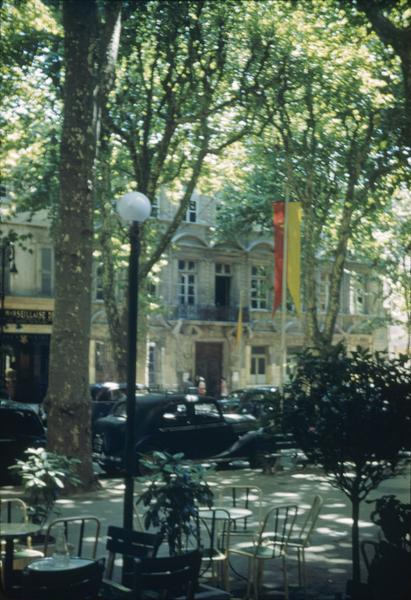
(329, 557)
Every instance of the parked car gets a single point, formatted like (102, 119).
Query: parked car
(194, 425)
(20, 428)
(263, 402)
(105, 395)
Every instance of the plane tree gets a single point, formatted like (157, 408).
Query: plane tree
(185, 92)
(333, 143)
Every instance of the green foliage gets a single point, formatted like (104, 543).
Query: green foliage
(172, 497)
(392, 552)
(352, 416)
(44, 475)
(352, 412)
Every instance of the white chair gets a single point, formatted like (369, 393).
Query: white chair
(301, 538)
(270, 543)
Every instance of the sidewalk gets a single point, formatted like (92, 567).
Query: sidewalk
(329, 558)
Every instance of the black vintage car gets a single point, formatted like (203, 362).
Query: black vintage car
(20, 428)
(184, 423)
(105, 395)
(261, 401)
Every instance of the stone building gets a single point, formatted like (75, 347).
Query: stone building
(200, 291)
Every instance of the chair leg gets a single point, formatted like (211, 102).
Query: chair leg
(259, 576)
(299, 566)
(251, 580)
(304, 571)
(285, 577)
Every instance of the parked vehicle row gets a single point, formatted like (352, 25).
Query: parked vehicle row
(194, 425)
(20, 428)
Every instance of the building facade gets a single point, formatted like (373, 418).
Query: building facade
(215, 308)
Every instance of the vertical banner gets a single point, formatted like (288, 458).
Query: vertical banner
(294, 253)
(278, 221)
(239, 322)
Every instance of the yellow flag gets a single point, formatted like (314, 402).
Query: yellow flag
(239, 322)
(294, 252)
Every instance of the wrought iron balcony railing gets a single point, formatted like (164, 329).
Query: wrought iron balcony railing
(208, 313)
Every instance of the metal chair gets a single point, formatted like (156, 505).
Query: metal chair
(240, 496)
(14, 510)
(302, 539)
(82, 583)
(79, 532)
(270, 543)
(215, 545)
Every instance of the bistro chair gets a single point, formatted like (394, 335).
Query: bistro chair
(174, 578)
(14, 510)
(79, 533)
(121, 542)
(241, 496)
(82, 583)
(270, 543)
(301, 539)
(215, 539)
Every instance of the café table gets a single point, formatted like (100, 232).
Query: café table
(9, 532)
(234, 512)
(52, 563)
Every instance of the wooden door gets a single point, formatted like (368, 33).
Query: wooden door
(208, 363)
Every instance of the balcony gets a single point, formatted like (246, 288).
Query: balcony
(208, 313)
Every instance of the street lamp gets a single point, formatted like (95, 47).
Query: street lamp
(8, 256)
(135, 208)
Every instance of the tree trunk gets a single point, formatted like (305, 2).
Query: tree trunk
(356, 571)
(68, 400)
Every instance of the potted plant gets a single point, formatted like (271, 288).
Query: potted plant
(351, 415)
(173, 494)
(44, 475)
(389, 569)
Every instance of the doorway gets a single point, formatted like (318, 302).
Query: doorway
(208, 364)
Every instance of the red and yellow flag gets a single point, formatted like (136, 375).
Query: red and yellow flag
(294, 216)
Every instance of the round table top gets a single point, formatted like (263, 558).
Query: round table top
(58, 564)
(12, 530)
(221, 512)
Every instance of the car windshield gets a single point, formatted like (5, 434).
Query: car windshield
(19, 422)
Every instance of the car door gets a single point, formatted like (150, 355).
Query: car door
(212, 433)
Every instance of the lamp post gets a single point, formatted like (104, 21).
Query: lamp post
(135, 208)
(8, 255)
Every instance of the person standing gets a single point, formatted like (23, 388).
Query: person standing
(223, 388)
(201, 386)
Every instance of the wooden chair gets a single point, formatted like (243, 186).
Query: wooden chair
(82, 583)
(270, 543)
(134, 544)
(79, 532)
(301, 539)
(169, 576)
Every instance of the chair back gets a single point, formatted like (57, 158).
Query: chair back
(215, 533)
(79, 532)
(241, 496)
(168, 576)
(138, 544)
(310, 521)
(82, 583)
(13, 510)
(276, 530)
